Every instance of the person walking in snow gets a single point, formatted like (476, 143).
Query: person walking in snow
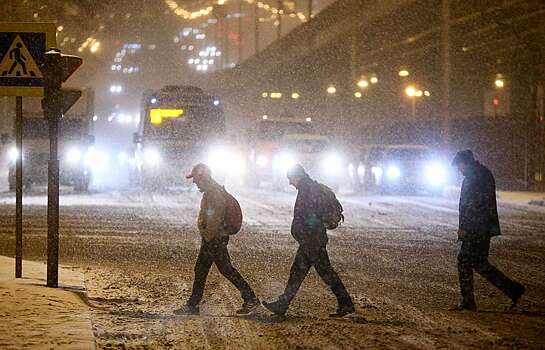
(478, 222)
(215, 238)
(310, 218)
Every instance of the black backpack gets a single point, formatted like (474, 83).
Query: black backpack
(331, 208)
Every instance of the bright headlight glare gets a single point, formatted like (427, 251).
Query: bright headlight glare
(122, 158)
(262, 161)
(97, 160)
(226, 162)
(73, 155)
(286, 162)
(351, 170)
(393, 172)
(361, 170)
(436, 174)
(13, 154)
(152, 156)
(332, 164)
(377, 171)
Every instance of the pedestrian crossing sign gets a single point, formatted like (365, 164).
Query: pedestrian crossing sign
(22, 49)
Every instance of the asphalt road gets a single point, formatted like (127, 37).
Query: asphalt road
(396, 255)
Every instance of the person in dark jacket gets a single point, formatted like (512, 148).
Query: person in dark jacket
(213, 249)
(309, 231)
(478, 222)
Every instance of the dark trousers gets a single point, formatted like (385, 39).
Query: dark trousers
(473, 255)
(306, 257)
(216, 252)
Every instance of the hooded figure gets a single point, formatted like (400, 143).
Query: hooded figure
(478, 222)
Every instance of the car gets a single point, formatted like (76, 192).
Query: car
(398, 169)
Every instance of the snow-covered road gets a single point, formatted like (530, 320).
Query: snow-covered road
(397, 256)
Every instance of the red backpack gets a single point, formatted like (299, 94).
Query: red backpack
(233, 214)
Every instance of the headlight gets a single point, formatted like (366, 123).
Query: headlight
(262, 161)
(285, 162)
(152, 156)
(351, 170)
(226, 162)
(393, 172)
(13, 154)
(377, 171)
(361, 170)
(96, 160)
(332, 164)
(73, 155)
(122, 158)
(436, 174)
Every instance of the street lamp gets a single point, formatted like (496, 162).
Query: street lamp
(357, 94)
(295, 95)
(499, 82)
(363, 83)
(331, 89)
(403, 73)
(373, 80)
(410, 91)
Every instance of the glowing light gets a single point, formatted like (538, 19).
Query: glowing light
(500, 83)
(95, 46)
(295, 95)
(358, 94)
(427, 93)
(363, 83)
(373, 80)
(264, 95)
(265, 117)
(331, 89)
(410, 91)
(403, 73)
(308, 119)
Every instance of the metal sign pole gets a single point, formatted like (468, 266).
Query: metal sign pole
(53, 76)
(19, 187)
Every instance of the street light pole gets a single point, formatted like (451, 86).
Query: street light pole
(239, 31)
(256, 28)
(279, 27)
(445, 43)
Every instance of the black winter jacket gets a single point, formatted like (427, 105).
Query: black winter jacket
(307, 227)
(478, 207)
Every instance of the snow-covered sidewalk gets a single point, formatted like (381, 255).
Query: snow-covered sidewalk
(34, 316)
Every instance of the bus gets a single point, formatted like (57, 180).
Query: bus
(178, 127)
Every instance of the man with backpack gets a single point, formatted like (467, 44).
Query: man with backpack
(219, 217)
(316, 208)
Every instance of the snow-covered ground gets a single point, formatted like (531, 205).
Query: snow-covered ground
(397, 256)
(37, 317)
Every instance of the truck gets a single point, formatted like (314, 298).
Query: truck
(179, 126)
(76, 142)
